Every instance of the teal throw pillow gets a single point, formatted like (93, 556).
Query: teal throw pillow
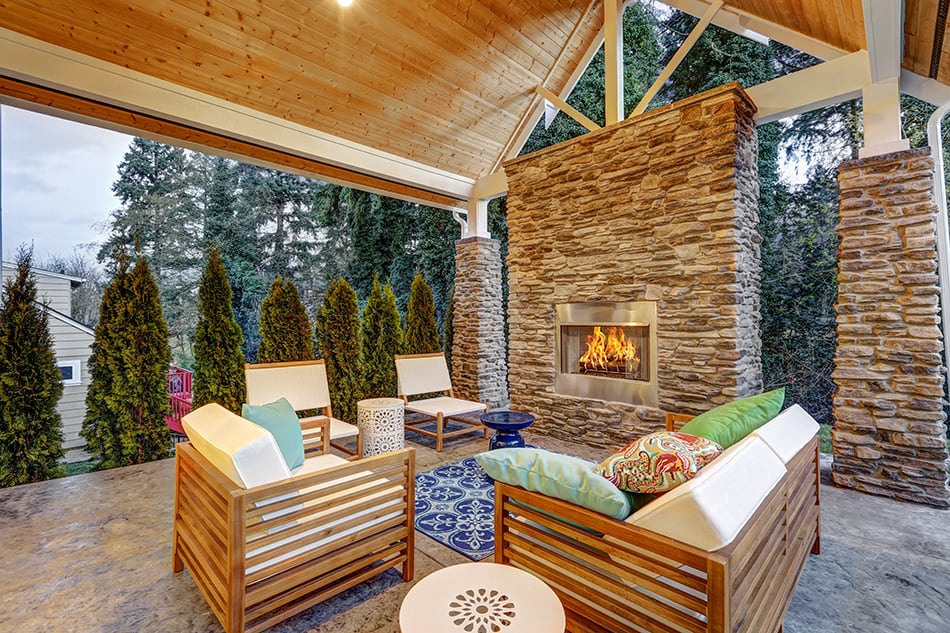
(281, 420)
(728, 423)
(567, 478)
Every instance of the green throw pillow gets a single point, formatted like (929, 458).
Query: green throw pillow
(281, 420)
(561, 476)
(728, 423)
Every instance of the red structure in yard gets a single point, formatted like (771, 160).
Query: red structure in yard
(178, 382)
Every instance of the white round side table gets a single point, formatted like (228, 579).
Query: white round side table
(381, 423)
(481, 598)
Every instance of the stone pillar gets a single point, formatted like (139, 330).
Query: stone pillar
(890, 435)
(479, 361)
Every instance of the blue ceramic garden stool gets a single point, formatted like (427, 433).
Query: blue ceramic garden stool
(506, 425)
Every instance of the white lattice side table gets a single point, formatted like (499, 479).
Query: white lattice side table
(481, 598)
(381, 422)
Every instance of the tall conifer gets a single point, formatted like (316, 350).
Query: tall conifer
(448, 333)
(381, 338)
(422, 333)
(285, 327)
(30, 385)
(219, 361)
(338, 333)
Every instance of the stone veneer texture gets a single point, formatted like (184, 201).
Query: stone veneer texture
(479, 369)
(660, 207)
(889, 435)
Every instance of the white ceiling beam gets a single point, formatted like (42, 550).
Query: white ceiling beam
(493, 185)
(741, 22)
(34, 61)
(566, 108)
(613, 61)
(811, 88)
(880, 99)
(924, 88)
(678, 56)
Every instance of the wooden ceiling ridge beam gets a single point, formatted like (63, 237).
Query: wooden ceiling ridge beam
(742, 23)
(29, 60)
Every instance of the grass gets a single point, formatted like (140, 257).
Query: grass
(824, 437)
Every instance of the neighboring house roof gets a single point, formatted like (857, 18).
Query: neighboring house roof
(73, 281)
(59, 316)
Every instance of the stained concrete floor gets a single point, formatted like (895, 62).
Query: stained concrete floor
(92, 553)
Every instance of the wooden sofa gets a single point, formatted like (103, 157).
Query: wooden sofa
(614, 576)
(263, 553)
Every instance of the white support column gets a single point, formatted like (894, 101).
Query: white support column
(613, 61)
(478, 218)
(883, 26)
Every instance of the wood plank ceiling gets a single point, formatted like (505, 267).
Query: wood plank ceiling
(441, 82)
(445, 83)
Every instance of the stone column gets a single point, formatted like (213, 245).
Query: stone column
(479, 361)
(890, 435)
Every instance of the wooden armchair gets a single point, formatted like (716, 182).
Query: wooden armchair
(304, 384)
(428, 373)
(264, 544)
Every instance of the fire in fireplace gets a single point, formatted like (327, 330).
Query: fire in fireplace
(607, 351)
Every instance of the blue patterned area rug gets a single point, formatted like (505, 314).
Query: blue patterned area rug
(455, 505)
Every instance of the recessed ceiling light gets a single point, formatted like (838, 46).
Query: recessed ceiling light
(344, 3)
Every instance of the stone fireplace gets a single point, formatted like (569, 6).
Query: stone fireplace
(606, 351)
(662, 209)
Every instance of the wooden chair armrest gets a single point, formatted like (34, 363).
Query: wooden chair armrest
(674, 421)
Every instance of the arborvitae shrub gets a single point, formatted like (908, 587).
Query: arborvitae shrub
(31, 439)
(338, 333)
(422, 333)
(219, 361)
(285, 328)
(127, 401)
(448, 334)
(381, 339)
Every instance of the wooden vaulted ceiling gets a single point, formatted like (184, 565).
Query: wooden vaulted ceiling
(448, 84)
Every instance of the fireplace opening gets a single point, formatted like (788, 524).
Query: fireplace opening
(607, 351)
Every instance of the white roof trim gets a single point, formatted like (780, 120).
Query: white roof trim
(47, 273)
(59, 316)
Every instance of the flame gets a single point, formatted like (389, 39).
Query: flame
(610, 348)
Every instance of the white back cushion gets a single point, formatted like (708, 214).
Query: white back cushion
(788, 432)
(245, 452)
(709, 510)
(303, 383)
(422, 374)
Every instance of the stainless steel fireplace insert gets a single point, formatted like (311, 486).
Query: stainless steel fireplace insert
(607, 351)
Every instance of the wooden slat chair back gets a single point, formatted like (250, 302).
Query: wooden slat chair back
(425, 374)
(305, 385)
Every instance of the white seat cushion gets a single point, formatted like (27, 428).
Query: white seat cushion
(788, 432)
(444, 405)
(245, 452)
(709, 510)
(338, 428)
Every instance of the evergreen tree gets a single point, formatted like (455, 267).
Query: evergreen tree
(422, 333)
(219, 361)
(448, 333)
(30, 385)
(285, 327)
(381, 339)
(338, 333)
(127, 400)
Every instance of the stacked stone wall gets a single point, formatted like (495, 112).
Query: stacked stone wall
(479, 367)
(661, 207)
(889, 435)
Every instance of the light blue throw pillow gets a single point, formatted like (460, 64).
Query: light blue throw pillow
(281, 420)
(567, 478)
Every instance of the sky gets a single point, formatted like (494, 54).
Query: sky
(55, 181)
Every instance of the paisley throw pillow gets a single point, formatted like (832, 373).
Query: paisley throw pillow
(659, 462)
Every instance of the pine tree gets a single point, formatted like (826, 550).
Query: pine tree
(285, 327)
(338, 333)
(30, 385)
(219, 361)
(422, 333)
(127, 401)
(381, 339)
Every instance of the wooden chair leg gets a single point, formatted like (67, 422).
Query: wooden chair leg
(438, 432)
